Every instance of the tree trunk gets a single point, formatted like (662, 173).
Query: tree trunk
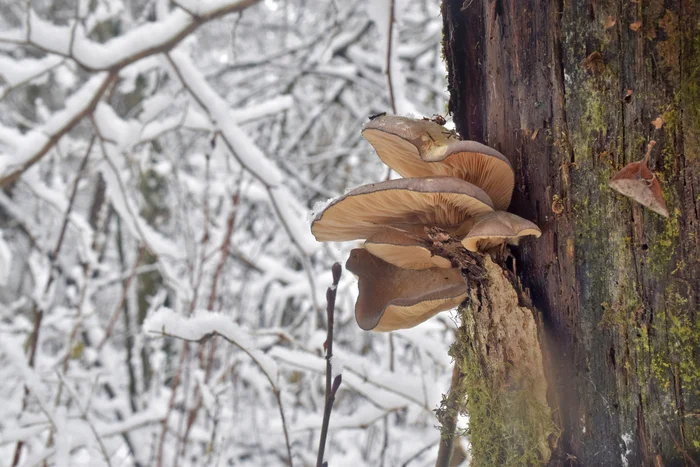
(571, 91)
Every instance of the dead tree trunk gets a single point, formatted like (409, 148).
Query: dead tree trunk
(571, 91)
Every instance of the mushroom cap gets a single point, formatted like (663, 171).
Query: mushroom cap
(495, 228)
(404, 249)
(636, 181)
(393, 298)
(421, 148)
(438, 201)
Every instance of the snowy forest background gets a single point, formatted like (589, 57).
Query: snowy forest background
(159, 162)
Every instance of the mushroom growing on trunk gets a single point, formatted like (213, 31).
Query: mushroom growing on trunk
(424, 234)
(421, 148)
(496, 228)
(394, 298)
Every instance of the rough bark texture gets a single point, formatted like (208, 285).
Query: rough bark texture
(568, 91)
(499, 357)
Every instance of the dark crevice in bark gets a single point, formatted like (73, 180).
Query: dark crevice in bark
(462, 47)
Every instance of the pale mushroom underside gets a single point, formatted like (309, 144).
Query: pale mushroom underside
(392, 298)
(496, 228)
(404, 249)
(428, 201)
(419, 148)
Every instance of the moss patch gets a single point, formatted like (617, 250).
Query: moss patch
(506, 424)
(499, 356)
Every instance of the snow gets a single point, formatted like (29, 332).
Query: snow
(263, 109)
(205, 323)
(241, 145)
(113, 128)
(285, 112)
(379, 12)
(14, 72)
(12, 352)
(30, 145)
(248, 154)
(5, 261)
(156, 242)
(60, 202)
(63, 438)
(292, 215)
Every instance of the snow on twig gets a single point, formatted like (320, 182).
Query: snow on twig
(246, 151)
(203, 325)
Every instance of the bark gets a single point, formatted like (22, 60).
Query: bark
(568, 90)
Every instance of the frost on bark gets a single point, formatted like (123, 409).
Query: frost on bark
(571, 92)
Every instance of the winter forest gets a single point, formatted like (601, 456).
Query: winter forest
(160, 164)
(349, 233)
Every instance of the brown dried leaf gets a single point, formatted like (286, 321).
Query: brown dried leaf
(637, 182)
(534, 135)
(636, 25)
(610, 22)
(658, 122)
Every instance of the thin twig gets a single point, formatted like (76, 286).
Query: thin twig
(53, 257)
(388, 56)
(257, 362)
(224, 250)
(84, 415)
(388, 68)
(449, 424)
(417, 454)
(331, 388)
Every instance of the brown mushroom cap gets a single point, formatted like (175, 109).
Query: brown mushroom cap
(393, 298)
(496, 228)
(404, 249)
(421, 148)
(438, 201)
(636, 181)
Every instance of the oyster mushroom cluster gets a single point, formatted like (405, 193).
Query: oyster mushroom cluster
(459, 189)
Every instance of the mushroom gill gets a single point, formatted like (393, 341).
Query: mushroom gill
(433, 201)
(496, 228)
(394, 298)
(421, 148)
(404, 249)
(418, 230)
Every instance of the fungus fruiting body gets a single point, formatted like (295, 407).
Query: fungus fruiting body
(421, 148)
(495, 228)
(395, 298)
(454, 196)
(443, 201)
(404, 249)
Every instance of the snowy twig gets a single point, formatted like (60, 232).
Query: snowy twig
(224, 254)
(331, 388)
(206, 325)
(84, 102)
(85, 417)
